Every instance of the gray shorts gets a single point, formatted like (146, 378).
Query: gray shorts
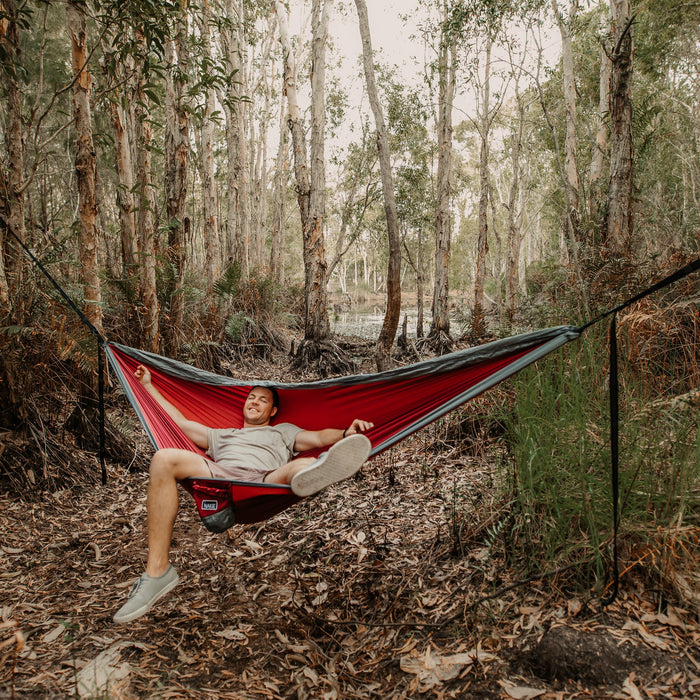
(220, 471)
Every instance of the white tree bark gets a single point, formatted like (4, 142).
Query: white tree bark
(393, 306)
(443, 217)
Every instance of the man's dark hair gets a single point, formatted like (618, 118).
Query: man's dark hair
(272, 390)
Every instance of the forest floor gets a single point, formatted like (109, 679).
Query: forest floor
(384, 586)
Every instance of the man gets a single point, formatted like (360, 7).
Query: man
(258, 451)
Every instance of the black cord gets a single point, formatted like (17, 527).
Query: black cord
(614, 455)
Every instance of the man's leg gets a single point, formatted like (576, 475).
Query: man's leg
(167, 468)
(284, 474)
(308, 476)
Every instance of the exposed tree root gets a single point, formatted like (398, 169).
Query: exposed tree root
(325, 357)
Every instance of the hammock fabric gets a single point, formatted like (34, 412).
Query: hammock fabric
(399, 402)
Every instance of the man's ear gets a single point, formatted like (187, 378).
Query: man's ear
(273, 412)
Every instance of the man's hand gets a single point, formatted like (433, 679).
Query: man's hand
(143, 374)
(358, 426)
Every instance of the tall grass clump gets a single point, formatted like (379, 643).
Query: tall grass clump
(558, 475)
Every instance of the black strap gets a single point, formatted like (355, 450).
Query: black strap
(684, 271)
(614, 455)
(100, 343)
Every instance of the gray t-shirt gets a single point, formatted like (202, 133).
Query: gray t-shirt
(265, 447)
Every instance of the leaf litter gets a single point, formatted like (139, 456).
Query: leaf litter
(375, 588)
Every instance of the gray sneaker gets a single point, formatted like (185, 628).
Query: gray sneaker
(342, 460)
(144, 594)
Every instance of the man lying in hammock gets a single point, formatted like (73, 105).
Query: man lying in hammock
(257, 452)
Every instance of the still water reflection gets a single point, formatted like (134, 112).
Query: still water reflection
(366, 322)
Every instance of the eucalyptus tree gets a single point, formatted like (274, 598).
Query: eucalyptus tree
(309, 171)
(447, 76)
(620, 213)
(177, 151)
(571, 183)
(207, 116)
(233, 99)
(15, 16)
(393, 305)
(85, 165)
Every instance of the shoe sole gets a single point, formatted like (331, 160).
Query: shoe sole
(145, 608)
(342, 460)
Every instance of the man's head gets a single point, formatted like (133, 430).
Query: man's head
(260, 406)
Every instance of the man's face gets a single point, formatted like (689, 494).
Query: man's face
(258, 408)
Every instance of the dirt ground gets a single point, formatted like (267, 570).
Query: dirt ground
(385, 586)
(356, 593)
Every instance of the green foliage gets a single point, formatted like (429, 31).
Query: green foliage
(227, 285)
(559, 479)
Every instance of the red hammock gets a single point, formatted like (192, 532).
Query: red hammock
(398, 402)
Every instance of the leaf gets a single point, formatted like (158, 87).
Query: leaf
(522, 692)
(433, 670)
(100, 676)
(233, 634)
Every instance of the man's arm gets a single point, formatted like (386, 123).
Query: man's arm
(311, 439)
(194, 431)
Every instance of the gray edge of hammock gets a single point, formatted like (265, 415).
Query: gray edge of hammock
(129, 394)
(479, 388)
(443, 363)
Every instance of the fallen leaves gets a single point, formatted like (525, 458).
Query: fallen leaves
(432, 669)
(358, 593)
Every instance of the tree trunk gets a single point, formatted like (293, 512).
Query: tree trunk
(393, 287)
(600, 146)
(317, 325)
(13, 197)
(146, 221)
(212, 247)
(237, 223)
(440, 327)
(482, 246)
(85, 167)
(570, 141)
(514, 216)
(177, 147)
(618, 240)
(279, 191)
(123, 162)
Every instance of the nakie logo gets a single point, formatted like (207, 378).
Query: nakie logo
(210, 505)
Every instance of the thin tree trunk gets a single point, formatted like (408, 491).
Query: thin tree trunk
(212, 247)
(514, 216)
(146, 220)
(177, 147)
(620, 205)
(482, 247)
(85, 167)
(237, 223)
(279, 190)
(600, 146)
(317, 325)
(570, 141)
(123, 165)
(440, 327)
(393, 286)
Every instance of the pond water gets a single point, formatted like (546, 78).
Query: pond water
(366, 322)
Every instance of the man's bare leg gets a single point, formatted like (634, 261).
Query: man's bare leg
(308, 476)
(284, 474)
(168, 466)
